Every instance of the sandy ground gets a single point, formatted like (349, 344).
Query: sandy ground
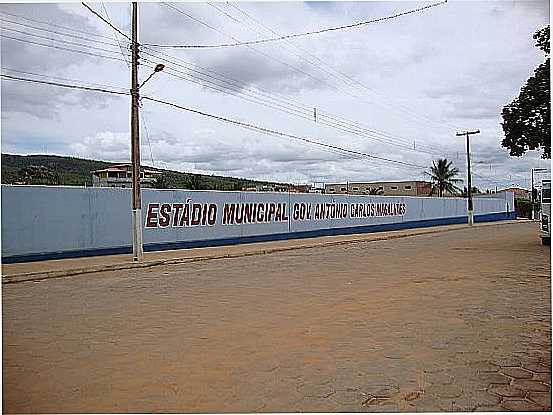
(452, 321)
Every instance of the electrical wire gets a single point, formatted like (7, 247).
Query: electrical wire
(105, 21)
(52, 25)
(241, 86)
(236, 90)
(87, 39)
(62, 48)
(17, 71)
(225, 89)
(295, 35)
(65, 42)
(116, 37)
(341, 76)
(271, 57)
(63, 85)
(220, 118)
(279, 133)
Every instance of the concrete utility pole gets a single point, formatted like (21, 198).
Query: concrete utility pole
(135, 143)
(470, 210)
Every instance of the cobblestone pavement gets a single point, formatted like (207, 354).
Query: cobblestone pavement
(458, 321)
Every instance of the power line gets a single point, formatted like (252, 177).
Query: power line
(295, 35)
(117, 38)
(148, 138)
(58, 77)
(52, 25)
(62, 48)
(235, 89)
(337, 126)
(63, 85)
(272, 57)
(220, 118)
(279, 133)
(105, 21)
(268, 56)
(346, 79)
(249, 126)
(87, 39)
(408, 142)
(65, 42)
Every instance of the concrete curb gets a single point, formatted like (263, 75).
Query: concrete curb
(369, 237)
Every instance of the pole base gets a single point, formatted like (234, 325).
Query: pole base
(470, 217)
(137, 251)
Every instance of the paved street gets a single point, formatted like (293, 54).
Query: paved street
(447, 321)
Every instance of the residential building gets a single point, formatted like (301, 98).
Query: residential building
(275, 187)
(519, 192)
(120, 175)
(402, 188)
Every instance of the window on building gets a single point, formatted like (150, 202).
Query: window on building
(112, 174)
(393, 187)
(407, 187)
(355, 189)
(343, 189)
(331, 190)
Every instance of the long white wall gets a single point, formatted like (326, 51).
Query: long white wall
(47, 222)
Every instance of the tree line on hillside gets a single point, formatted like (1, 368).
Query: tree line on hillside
(72, 171)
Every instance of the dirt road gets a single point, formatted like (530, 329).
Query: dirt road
(452, 321)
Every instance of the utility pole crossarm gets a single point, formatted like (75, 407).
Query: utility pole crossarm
(467, 133)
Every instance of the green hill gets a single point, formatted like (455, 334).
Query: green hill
(72, 171)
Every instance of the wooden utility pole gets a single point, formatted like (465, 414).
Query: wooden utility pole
(135, 143)
(470, 210)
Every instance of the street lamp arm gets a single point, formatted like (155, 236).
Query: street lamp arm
(159, 67)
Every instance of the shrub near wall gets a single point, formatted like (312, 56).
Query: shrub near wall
(524, 208)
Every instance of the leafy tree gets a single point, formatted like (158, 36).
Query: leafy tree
(375, 191)
(527, 119)
(193, 182)
(38, 175)
(443, 177)
(162, 182)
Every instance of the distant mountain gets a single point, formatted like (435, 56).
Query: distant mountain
(72, 171)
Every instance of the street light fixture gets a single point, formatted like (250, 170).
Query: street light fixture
(158, 68)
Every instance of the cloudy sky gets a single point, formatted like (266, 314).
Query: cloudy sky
(398, 89)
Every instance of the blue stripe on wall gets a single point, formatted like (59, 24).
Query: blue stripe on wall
(163, 246)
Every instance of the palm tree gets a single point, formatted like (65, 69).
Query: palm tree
(443, 177)
(475, 191)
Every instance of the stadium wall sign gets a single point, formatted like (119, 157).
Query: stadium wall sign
(47, 222)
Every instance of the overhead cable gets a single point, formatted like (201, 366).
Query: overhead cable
(87, 39)
(63, 85)
(279, 133)
(97, 55)
(53, 25)
(310, 33)
(105, 21)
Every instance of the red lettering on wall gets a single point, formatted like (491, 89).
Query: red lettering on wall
(151, 217)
